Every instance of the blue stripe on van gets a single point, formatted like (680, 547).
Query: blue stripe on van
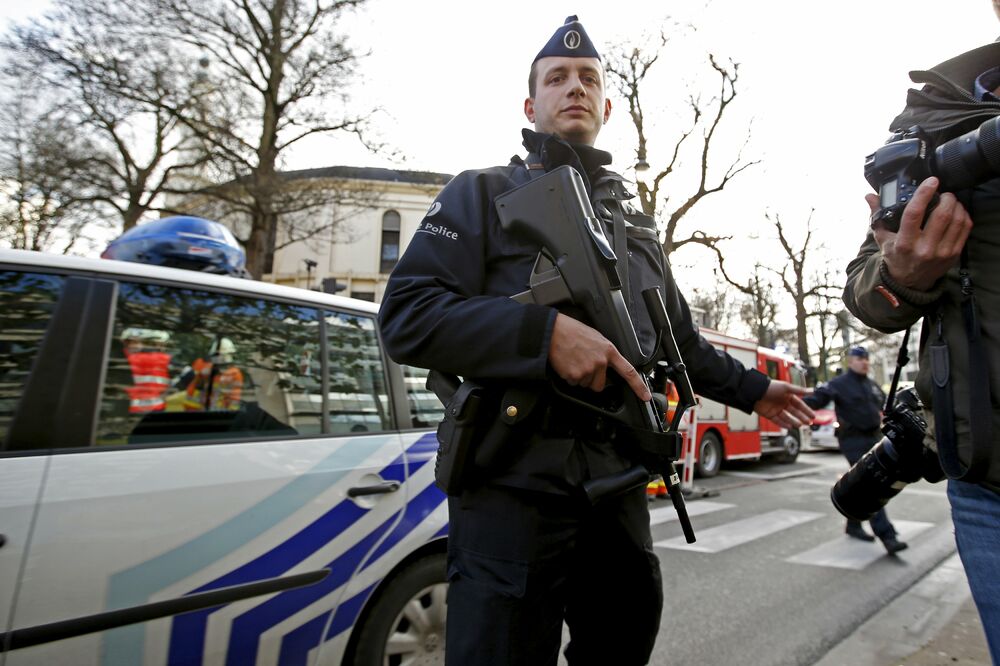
(348, 611)
(188, 632)
(245, 630)
(296, 645)
(136, 585)
(416, 512)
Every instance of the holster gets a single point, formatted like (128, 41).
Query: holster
(479, 431)
(455, 435)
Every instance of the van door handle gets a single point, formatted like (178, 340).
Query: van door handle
(377, 489)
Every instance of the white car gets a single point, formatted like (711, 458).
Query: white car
(823, 429)
(207, 470)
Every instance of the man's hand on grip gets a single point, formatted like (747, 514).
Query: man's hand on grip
(581, 356)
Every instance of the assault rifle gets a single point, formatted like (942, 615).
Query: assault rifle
(577, 268)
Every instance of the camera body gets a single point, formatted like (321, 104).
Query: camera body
(899, 459)
(897, 168)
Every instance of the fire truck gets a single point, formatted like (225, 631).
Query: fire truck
(725, 433)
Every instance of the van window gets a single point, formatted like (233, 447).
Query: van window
(188, 365)
(425, 408)
(358, 397)
(27, 301)
(772, 368)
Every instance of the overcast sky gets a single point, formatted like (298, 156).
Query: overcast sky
(819, 83)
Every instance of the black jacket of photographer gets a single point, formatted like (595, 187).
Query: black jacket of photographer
(447, 307)
(858, 402)
(946, 108)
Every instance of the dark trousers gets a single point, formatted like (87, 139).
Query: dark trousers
(520, 562)
(854, 447)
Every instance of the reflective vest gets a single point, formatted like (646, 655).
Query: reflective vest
(225, 392)
(150, 381)
(673, 399)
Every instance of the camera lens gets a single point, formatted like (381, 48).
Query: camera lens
(869, 484)
(970, 159)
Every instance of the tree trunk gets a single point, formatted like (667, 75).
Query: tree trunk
(272, 237)
(257, 247)
(801, 331)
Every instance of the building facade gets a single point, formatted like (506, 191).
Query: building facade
(370, 232)
(348, 233)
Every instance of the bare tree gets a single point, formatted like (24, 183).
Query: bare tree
(716, 304)
(40, 208)
(794, 279)
(116, 89)
(275, 72)
(628, 68)
(759, 310)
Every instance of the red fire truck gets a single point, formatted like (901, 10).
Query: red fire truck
(726, 433)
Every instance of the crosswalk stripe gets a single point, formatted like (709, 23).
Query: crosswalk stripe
(699, 508)
(773, 476)
(739, 532)
(909, 490)
(845, 552)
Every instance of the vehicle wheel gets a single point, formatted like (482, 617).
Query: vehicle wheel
(709, 456)
(791, 444)
(406, 624)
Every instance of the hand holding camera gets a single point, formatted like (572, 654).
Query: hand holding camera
(929, 238)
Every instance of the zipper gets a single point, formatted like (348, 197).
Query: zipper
(933, 78)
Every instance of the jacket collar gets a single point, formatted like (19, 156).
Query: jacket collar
(552, 152)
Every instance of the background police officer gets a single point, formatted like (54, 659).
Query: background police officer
(858, 402)
(526, 548)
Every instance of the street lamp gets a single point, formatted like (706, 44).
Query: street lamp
(641, 168)
(310, 265)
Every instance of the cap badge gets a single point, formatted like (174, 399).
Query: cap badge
(571, 39)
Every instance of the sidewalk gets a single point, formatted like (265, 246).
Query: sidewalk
(934, 623)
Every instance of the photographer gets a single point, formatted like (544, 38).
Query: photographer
(941, 265)
(526, 547)
(858, 402)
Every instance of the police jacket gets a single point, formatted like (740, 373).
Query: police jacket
(857, 400)
(447, 306)
(946, 108)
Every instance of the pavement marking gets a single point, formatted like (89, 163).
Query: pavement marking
(845, 552)
(699, 508)
(909, 490)
(773, 476)
(742, 531)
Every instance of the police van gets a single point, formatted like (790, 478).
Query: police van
(200, 469)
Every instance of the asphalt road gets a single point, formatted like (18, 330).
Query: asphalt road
(773, 579)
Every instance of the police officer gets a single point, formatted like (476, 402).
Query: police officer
(858, 402)
(526, 548)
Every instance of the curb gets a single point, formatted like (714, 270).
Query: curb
(909, 623)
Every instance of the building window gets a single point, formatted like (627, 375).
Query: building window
(390, 241)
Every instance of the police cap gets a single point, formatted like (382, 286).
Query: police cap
(570, 41)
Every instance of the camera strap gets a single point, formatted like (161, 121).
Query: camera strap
(980, 414)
